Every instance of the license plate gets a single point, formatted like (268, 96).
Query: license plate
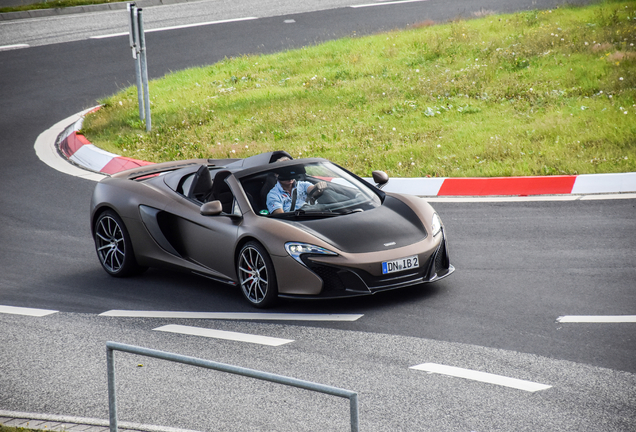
(400, 264)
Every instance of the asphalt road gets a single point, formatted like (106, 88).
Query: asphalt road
(521, 265)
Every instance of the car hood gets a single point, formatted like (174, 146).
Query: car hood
(391, 225)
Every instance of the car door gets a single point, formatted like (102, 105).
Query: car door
(207, 241)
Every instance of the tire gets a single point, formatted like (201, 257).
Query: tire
(113, 246)
(256, 275)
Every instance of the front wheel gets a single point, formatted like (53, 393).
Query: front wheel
(113, 246)
(256, 275)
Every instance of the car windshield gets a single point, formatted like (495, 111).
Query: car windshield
(322, 189)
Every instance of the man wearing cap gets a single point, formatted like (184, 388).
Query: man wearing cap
(288, 194)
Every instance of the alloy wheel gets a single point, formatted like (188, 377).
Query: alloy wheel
(253, 275)
(110, 243)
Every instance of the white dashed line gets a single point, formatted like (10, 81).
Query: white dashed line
(225, 335)
(386, 3)
(597, 319)
(26, 311)
(481, 376)
(232, 315)
(13, 47)
(177, 27)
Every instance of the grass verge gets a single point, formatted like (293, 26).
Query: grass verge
(54, 4)
(533, 93)
(4, 428)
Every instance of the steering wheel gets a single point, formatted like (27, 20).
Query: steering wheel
(317, 190)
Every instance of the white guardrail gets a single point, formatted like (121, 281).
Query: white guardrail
(193, 361)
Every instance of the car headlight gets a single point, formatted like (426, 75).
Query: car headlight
(295, 250)
(436, 224)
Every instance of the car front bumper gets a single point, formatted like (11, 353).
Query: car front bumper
(349, 281)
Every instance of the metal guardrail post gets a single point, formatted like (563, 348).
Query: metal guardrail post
(193, 361)
(112, 393)
(134, 46)
(144, 67)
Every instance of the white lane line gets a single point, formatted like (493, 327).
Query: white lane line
(597, 319)
(177, 27)
(225, 335)
(13, 47)
(26, 311)
(386, 3)
(481, 376)
(232, 315)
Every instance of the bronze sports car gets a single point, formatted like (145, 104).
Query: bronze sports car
(274, 226)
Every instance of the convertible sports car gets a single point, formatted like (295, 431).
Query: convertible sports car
(210, 217)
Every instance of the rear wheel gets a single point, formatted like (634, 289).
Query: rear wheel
(113, 246)
(256, 275)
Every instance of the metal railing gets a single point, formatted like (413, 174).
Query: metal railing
(193, 361)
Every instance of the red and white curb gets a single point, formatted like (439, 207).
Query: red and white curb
(80, 151)
(63, 139)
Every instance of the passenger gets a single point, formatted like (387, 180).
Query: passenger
(288, 195)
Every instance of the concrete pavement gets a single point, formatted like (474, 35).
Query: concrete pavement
(39, 13)
(73, 424)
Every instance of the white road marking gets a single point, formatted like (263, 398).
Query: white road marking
(13, 47)
(26, 311)
(225, 335)
(177, 27)
(481, 376)
(597, 319)
(386, 3)
(233, 315)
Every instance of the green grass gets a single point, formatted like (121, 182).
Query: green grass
(4, 428)
(54, 4)
(533, 93)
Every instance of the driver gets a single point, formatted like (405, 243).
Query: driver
(288, 194)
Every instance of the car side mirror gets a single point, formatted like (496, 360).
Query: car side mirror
(380, 178)
(212, 208)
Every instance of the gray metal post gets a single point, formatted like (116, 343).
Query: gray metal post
(112, 393)
(353, 409)
(144, 69)
(134, 45)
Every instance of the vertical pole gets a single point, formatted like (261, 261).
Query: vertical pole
(134, 45)
(112, 396)
(353, 407)
(144, 69)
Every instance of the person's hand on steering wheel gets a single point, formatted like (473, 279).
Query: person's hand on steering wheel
(317, 190)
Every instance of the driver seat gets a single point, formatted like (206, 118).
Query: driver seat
(270, 182)
(201, 184)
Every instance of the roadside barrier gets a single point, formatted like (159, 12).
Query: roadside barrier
(193, 361)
